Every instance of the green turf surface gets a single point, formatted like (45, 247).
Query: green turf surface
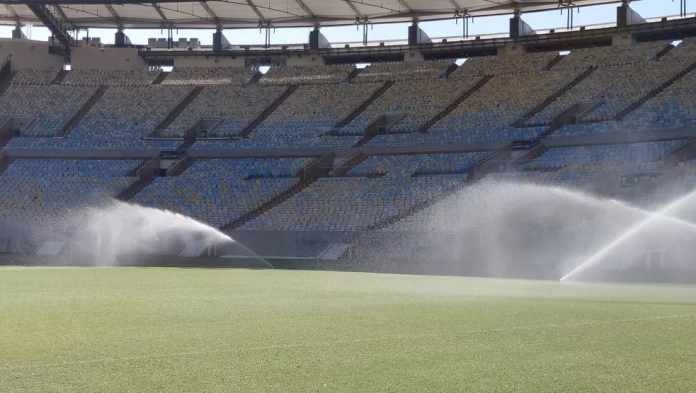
(186, 330)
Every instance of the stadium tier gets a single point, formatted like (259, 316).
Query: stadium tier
(340, 148)
(230, 212)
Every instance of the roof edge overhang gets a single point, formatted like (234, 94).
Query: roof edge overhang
(229, 20)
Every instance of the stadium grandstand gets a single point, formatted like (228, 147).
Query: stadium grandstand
(443, 212)
(318, 147)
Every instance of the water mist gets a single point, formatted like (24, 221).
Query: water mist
(115, 229)
(533, 231)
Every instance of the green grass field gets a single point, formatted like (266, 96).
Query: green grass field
(188, 330)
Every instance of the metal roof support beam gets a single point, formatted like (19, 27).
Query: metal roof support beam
(58, 28)
(306, 9)
(355, 9)
(17, 33)
(211, 13)
(60, 12)
(12, 12)
(456, 6)
(115, 16)
(404, 4)
(165, 20)
(256, 10)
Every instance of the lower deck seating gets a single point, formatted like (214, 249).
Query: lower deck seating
(382, 189)
(92, 77)
(235, 106)
(634, 152)
(356, 203)
(420, 164)
(120, 119)
(310, 112)
(219, 191)
(352, 204)
(28, 77)
(43, 191)
(43, 110)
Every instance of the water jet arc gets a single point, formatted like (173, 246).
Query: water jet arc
(662, 213)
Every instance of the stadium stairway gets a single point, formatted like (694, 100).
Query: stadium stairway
(347, 165)
(5, 162)
(254, 78)
(370, 132)
(80, 114)
(411, 211)
(7, 132)
(5, 76)
(571, 115)
(449, 70)
(553, 97)
(146, 174)
(319, 167)
(179, 166)
(493, 163)
(190, 137)
(361, 108)
(60, 77)
(553, 62)
(378, 126)
(683, 153)
(454, 104)
(353, 74)
(160, 78)
(662, 53)
(659, 89)
(178, 109)
(535, 152)
(268, 111)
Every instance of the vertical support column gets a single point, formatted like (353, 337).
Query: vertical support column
(365, 32)
(219, 40)
(416, 35)
(466, 18)
(170, 37)
(626, 16)
(317, 40)
(18, 34)
(121, 40)
(518, 27)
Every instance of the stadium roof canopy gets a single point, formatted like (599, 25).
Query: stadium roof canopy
(253, 13)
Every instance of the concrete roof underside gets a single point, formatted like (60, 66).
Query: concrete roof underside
(254, 13)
